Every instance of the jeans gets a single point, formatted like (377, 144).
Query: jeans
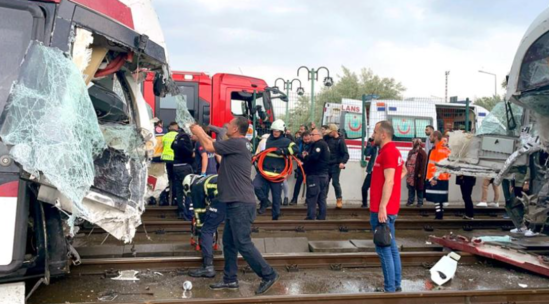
(261, 188)
(215, 215)
(180, 171)
(298, 183)
(388, 256)
(237, 239)
(412, 195)
(514, 208)
(334, 177)
(317, 191)
(366, 188)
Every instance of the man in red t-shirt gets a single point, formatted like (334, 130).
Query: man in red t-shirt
(385, 201)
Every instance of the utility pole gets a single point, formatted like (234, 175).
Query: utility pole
(495, 81)
(446, 87)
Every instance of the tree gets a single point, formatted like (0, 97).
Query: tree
(488, 102)
(350, 85)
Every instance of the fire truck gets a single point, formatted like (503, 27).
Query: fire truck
(217, 99)
(88, 58)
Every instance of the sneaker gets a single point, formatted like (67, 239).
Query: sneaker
(482, 204)
(293, 202)
(493, 204)
(408, 204)
(223, 285)
(364, 206)
(265, 285)
(285, 203)
(339, 203)
(518, 230)
(530, 233)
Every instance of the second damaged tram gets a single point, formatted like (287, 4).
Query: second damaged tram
(76, 133)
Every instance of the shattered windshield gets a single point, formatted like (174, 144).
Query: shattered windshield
(534, 71)
(496, 122)
(50, 124)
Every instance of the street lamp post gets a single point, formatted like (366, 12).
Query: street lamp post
(312, 76)
(288, 87)
(495, 81)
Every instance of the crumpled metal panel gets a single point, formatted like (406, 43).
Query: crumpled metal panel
(50, 124)
(121, 169)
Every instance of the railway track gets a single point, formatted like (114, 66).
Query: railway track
(334, 262)
(154, 212)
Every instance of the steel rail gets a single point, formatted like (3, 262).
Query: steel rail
(343, 225)
(155, 212)
(296, 261)
(516, 296)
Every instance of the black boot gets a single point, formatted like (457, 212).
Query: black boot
(285, 203)
(293, 202)
(263, 205)
(223, 285)
(265, 285)
(204, 272)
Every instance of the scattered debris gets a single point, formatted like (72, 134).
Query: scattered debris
(187, 285)
(127, 275)
(445, 269)
(523, 285)
(111, 295)
(515, 257)
(493, 239)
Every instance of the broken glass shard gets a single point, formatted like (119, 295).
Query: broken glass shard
(50, 125)
(496, 122)
(182, 116)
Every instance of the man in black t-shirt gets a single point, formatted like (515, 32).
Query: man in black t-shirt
(235, 188)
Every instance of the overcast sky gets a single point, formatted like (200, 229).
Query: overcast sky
(413, 41)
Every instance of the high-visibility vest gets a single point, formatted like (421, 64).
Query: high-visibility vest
(167, 140)
(438, 153)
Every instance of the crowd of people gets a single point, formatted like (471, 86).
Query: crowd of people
(322, 153)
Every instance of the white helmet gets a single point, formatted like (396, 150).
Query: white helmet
(188, 181)
(529, 70)
(278, 125)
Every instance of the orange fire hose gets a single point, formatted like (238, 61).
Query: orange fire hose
(288, 168)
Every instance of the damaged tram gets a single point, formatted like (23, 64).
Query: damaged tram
(514, 137)
(76, 133)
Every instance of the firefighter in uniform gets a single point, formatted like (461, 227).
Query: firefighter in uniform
(168, 156)
(273, 165)
(209, 213)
